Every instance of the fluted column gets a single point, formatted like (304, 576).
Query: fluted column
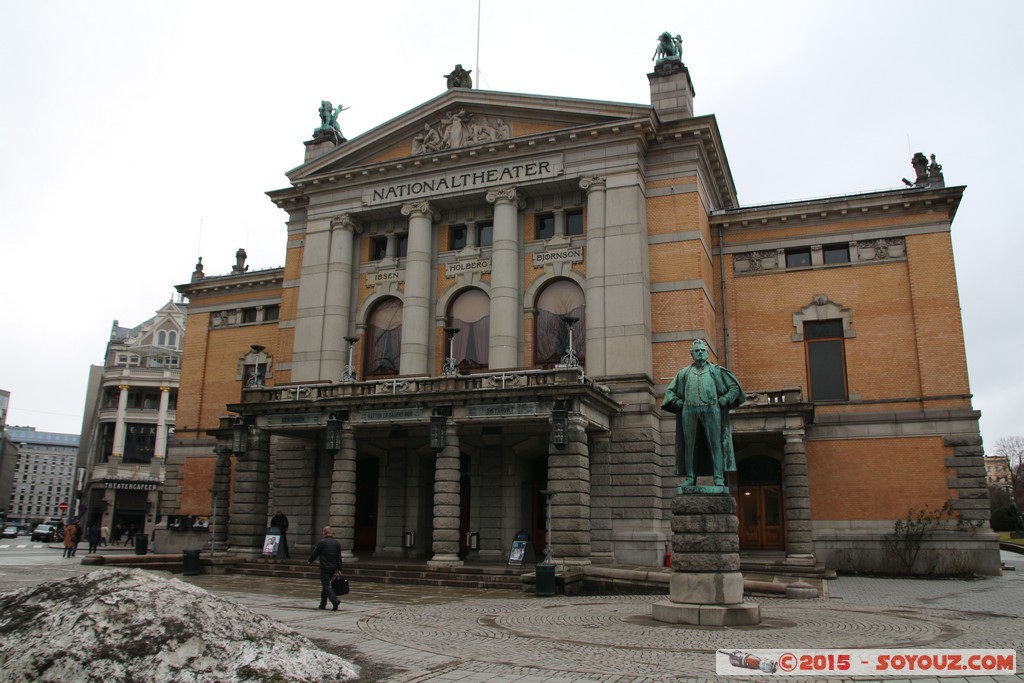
(343, 493)
(416, 327)
(339, 293)
(596, 361)
(569, 484)
(120, 426)
(248, 523)
(447, 502)
(799, 538)
(506, 300)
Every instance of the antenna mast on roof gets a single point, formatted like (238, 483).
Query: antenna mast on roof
(477, 65)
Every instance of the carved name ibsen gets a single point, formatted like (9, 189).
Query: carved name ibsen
(463, 181)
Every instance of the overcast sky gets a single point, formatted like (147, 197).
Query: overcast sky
(136, 136)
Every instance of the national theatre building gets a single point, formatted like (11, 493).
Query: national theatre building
(483, 302)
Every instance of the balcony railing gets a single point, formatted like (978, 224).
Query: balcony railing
(496, 381)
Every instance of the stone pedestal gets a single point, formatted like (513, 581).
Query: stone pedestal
(706, 587)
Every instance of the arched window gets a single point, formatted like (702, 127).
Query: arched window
(161, 338)
(383, 351)
(172, 339)
(559, 306)
(470, 313)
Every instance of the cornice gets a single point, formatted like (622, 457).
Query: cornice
(257, 279)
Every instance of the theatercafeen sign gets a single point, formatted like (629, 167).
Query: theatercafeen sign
(460, 182)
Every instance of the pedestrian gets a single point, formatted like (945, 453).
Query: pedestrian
(116, 537)
(329, 551)
(78, 536)
(129, 536)
(280, 520)
(69, 539)
(95, 536)
(104, 534)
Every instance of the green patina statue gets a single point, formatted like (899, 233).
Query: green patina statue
(701, 396)
(670, 48)
(329, 117)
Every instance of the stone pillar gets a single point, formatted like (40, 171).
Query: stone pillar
(248, 523)
(117, 453)
(447, 502)
(559, 230)
(220, 493)
(416, 328)
(472, 235)
(343, 493)
(506, 272)
(337, 297)
(595, 189)
(569, 485)
(160, 447)
(706, 586)
(799, 540)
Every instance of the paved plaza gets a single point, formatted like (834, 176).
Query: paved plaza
(406, 634)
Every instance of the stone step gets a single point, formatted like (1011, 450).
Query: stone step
(459, 577)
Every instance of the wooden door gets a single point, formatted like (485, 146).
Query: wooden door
(761, 518)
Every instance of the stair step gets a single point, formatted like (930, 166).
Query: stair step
(497, 578)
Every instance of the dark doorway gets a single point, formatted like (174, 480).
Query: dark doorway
(538, 505)
(760, 504)
(463, 506)
(367, 475)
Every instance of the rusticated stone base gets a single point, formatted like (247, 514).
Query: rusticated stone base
(706, 587)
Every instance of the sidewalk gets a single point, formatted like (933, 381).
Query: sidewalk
(409, 634)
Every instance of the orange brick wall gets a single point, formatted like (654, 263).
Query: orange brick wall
(196, 482)
(873, 479)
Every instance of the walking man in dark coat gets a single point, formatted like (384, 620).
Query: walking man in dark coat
(328, 549)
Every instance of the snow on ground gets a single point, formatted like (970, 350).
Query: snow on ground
(128, 625)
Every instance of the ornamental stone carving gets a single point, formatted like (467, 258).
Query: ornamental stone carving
(347, 221)
(420, 209)
(508, 194)
(881, 249)
(756, 261)
(459, 129)
(594, 182)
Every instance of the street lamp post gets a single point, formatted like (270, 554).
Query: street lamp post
(451, 367)
(569, 360)
(350, 371)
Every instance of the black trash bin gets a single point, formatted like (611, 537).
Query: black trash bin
(545, 584)
(190, 562)
(141, 544)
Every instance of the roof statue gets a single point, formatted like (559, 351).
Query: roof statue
(198, 274)
(670, 48)
(239, 266)
(329, 128)
(926, 175)
(459, 78)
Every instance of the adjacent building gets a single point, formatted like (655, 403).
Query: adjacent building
(129, 415)
(44, 477)
(482, 304)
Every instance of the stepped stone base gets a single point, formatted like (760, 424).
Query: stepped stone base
(740, 614)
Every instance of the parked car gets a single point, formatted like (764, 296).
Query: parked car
(9, 532)
(44, 533)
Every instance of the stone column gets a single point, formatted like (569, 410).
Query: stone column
(248, 523)
(447, 502)
(120, 428)
(595, 189)
(160, 447)
(220, 494)
(569, 485)
(416, 328)
(506, 271)
(559, 223)
(799, 540)
(343, 493)
(338, 296)
(471, 234)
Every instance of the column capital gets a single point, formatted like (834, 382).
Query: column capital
(794, 435)
(594, 182)
(413, 209)
(124, 387)
(165, 388)
(507, 194)
(347, 221)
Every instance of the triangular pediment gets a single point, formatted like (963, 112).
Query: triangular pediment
(463, 120)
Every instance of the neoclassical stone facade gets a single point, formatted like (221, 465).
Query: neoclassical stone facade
(483, 301)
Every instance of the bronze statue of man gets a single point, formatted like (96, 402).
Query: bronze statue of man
(701, 396)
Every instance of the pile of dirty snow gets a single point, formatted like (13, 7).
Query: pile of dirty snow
(131, 625)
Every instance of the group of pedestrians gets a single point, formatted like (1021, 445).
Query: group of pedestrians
(96, 535)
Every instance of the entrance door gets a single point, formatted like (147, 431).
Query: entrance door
(463, 506)
(760, 513)
(538, 506)
(367, 473)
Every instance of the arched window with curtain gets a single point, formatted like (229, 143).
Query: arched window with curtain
(559, 305)
(470, 313)
(383, 350)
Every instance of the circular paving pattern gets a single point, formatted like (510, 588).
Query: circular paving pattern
(611, 635)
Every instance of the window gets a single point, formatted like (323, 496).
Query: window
(402, 245)
(172, 339)
(560, 306)
(798, 258)
(271, 313)
(477, 234)
(383, 350)
(378, 248)
(486, 234)
(470, 312)
(836, 253)
(249, 315)
(826, 361)
(457, 237)
(161, 338)
(139, 442)
(573, 223)
(254, 375)
(545, 228)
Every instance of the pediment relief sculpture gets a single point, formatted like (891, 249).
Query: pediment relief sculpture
(458, 129)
